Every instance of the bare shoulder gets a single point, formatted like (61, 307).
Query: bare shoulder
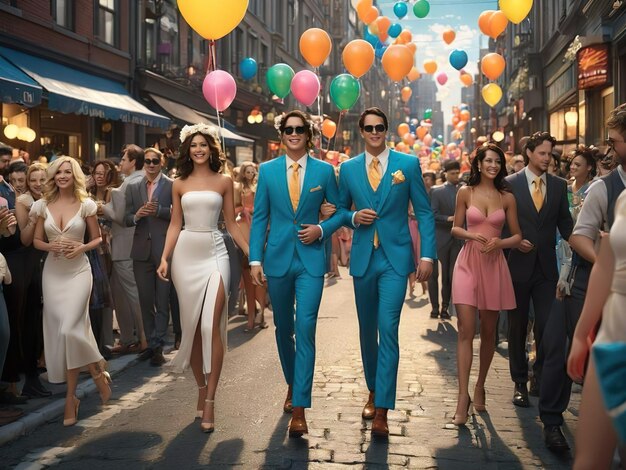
(464, 192)
(225, 182)
(508, 199)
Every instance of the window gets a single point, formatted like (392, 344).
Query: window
(106, 22)
(63, 13)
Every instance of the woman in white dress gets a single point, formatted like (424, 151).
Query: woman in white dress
(200, 265)
(64, 213)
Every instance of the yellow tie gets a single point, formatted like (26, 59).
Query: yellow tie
(373, 175)
(294, 185)
(537, 194)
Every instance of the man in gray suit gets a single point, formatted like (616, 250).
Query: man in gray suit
(123, 285)
(148, 209)
(443, 204)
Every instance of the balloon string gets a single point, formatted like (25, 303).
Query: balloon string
(338, 129)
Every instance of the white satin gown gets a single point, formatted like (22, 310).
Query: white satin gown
(199, 264)
(69, 342)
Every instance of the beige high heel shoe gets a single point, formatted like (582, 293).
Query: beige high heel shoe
(200, 412)
(208, 427)
(461, 420)
(74, 420)
(103, 381)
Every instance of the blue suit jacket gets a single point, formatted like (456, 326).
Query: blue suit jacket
(272, 207)
(391, 202)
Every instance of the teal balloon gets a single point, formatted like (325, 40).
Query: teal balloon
(394, 30)
(345, 91)
(400, 9)
(458, 59)
(279, 78)
(421, 9)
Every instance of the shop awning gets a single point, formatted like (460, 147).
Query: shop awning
(192, 116)
(17, 87)
(73, 91)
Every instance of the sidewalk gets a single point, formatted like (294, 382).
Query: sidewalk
(38, 411)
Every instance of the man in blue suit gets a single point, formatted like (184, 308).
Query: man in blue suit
(291, 190)
(380, 183)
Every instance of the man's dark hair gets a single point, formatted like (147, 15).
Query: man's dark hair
(18, 167)
(135, 154)
(376, 112)
(4, 150)
(535, 141)
(430, 174)
(451, 165)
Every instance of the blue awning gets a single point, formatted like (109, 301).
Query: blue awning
(73, 91)
(17, 87)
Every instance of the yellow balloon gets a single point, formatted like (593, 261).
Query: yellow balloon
(213, 19)
(492, 94)
(516, 10)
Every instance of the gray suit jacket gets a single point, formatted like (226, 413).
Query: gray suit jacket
(149, 237)
(115, 211)
(443, 204)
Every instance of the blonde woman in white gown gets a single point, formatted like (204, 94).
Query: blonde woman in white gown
(200, 265)
(64, 214)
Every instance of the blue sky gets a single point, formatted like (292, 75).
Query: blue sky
(462, 17)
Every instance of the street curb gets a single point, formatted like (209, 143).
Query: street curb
(30, 421)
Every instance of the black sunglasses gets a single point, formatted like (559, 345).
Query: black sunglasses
(377, 127)
(290, 130)
(153, 161)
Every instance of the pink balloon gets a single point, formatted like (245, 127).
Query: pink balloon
(305, 87)
(427, 140)
(442, 78)
(219, 89)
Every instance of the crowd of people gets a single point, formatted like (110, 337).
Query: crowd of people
(500, 232)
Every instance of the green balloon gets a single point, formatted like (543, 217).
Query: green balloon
(279, 78)
(421, 8)
(345, 91)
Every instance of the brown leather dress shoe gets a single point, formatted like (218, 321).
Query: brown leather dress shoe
(369, 410)
(288, 407)
(297, 423)
(379, 425)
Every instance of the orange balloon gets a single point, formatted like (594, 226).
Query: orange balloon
(370, 15)
(430, 66)
(403, 129)
(492, 65)
(315, 46)
(421, 132)
(483, 21)
(465, 115)
(466, 79)
(383, 24)
(329, 128)
(358, 56)
(397, 62)
(406, 36)
(362, 8)
(413, 47)
(448, 36)
(497, 24)
(406, 93)
(373, 29)
(413, 74)
(401, 147)
(408, 138)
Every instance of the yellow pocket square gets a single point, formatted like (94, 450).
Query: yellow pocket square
(316, 188)
(397, 177)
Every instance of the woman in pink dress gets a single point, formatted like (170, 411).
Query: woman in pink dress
(481, 279)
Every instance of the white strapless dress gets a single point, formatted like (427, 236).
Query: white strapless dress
(199, 263)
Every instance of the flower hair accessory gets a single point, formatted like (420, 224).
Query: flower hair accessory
(201, 128)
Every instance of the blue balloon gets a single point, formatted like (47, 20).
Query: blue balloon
(458, 59)
(400, 9)
(248, 68)
(380, 49)
(394, 30)
(369, 37)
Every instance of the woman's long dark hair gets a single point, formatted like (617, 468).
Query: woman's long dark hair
(588, 154)
(112, 178)
(481, 153)
(184, 165)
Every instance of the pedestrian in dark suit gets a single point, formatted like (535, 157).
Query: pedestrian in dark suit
(542, 208)
(443, 203)
(148, 208)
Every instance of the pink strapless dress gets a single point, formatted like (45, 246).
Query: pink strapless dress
(483, 280)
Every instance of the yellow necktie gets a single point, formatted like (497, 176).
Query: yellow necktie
(294, 185)
(373, 175)
(537, 194)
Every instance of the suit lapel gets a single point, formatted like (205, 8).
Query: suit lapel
(281, 181)
(306, 184)
(143, 190)
(525, 193)
(385, 184)
(545, 208)
(364, 180)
